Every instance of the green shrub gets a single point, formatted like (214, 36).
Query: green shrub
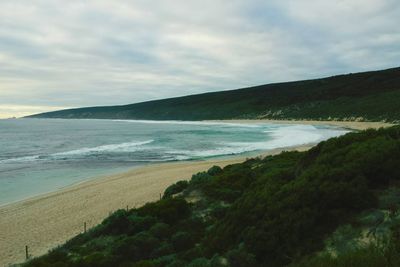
(241, 258)
(177, 263)
(169, 210)
(163, 249)
(182, 241)
(214, 170)
(201, 178)
(138, 247)
(175, 188)
(199, 262)
(160, 230)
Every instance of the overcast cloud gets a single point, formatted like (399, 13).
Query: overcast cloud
(57, 54)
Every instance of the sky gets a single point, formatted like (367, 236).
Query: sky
(63, 54)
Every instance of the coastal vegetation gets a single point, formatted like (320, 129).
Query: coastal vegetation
(368, 96)
(334, 205)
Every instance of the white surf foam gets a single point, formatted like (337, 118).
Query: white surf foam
(206, 123)
(122, 147)
(20, 159)
(278, 136)
(282, 136)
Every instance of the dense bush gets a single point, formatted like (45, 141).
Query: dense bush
(166, 210)
(175, 188)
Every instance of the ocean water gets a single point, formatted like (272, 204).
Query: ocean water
(42, 155)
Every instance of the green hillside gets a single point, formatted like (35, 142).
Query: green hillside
(369, 96)
(273, 211)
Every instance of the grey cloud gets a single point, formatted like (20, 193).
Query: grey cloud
(79, 53)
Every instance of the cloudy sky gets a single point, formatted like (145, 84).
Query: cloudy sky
(58, 54)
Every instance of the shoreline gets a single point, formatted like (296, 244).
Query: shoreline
(46, 221)
(353, 125)
(65, 187)
(249, 154)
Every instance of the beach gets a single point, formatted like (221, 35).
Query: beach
(353, 125)
(48, 220)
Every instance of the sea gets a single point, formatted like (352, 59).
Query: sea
(43, 155)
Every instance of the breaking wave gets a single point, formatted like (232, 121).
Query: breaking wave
(112, 148)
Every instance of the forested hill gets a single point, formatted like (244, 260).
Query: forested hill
(370, 96)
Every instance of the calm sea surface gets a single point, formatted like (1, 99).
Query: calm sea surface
(42, 155)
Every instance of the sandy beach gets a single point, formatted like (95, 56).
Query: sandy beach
(49, 220)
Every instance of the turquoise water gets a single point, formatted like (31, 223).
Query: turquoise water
(42, 155)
